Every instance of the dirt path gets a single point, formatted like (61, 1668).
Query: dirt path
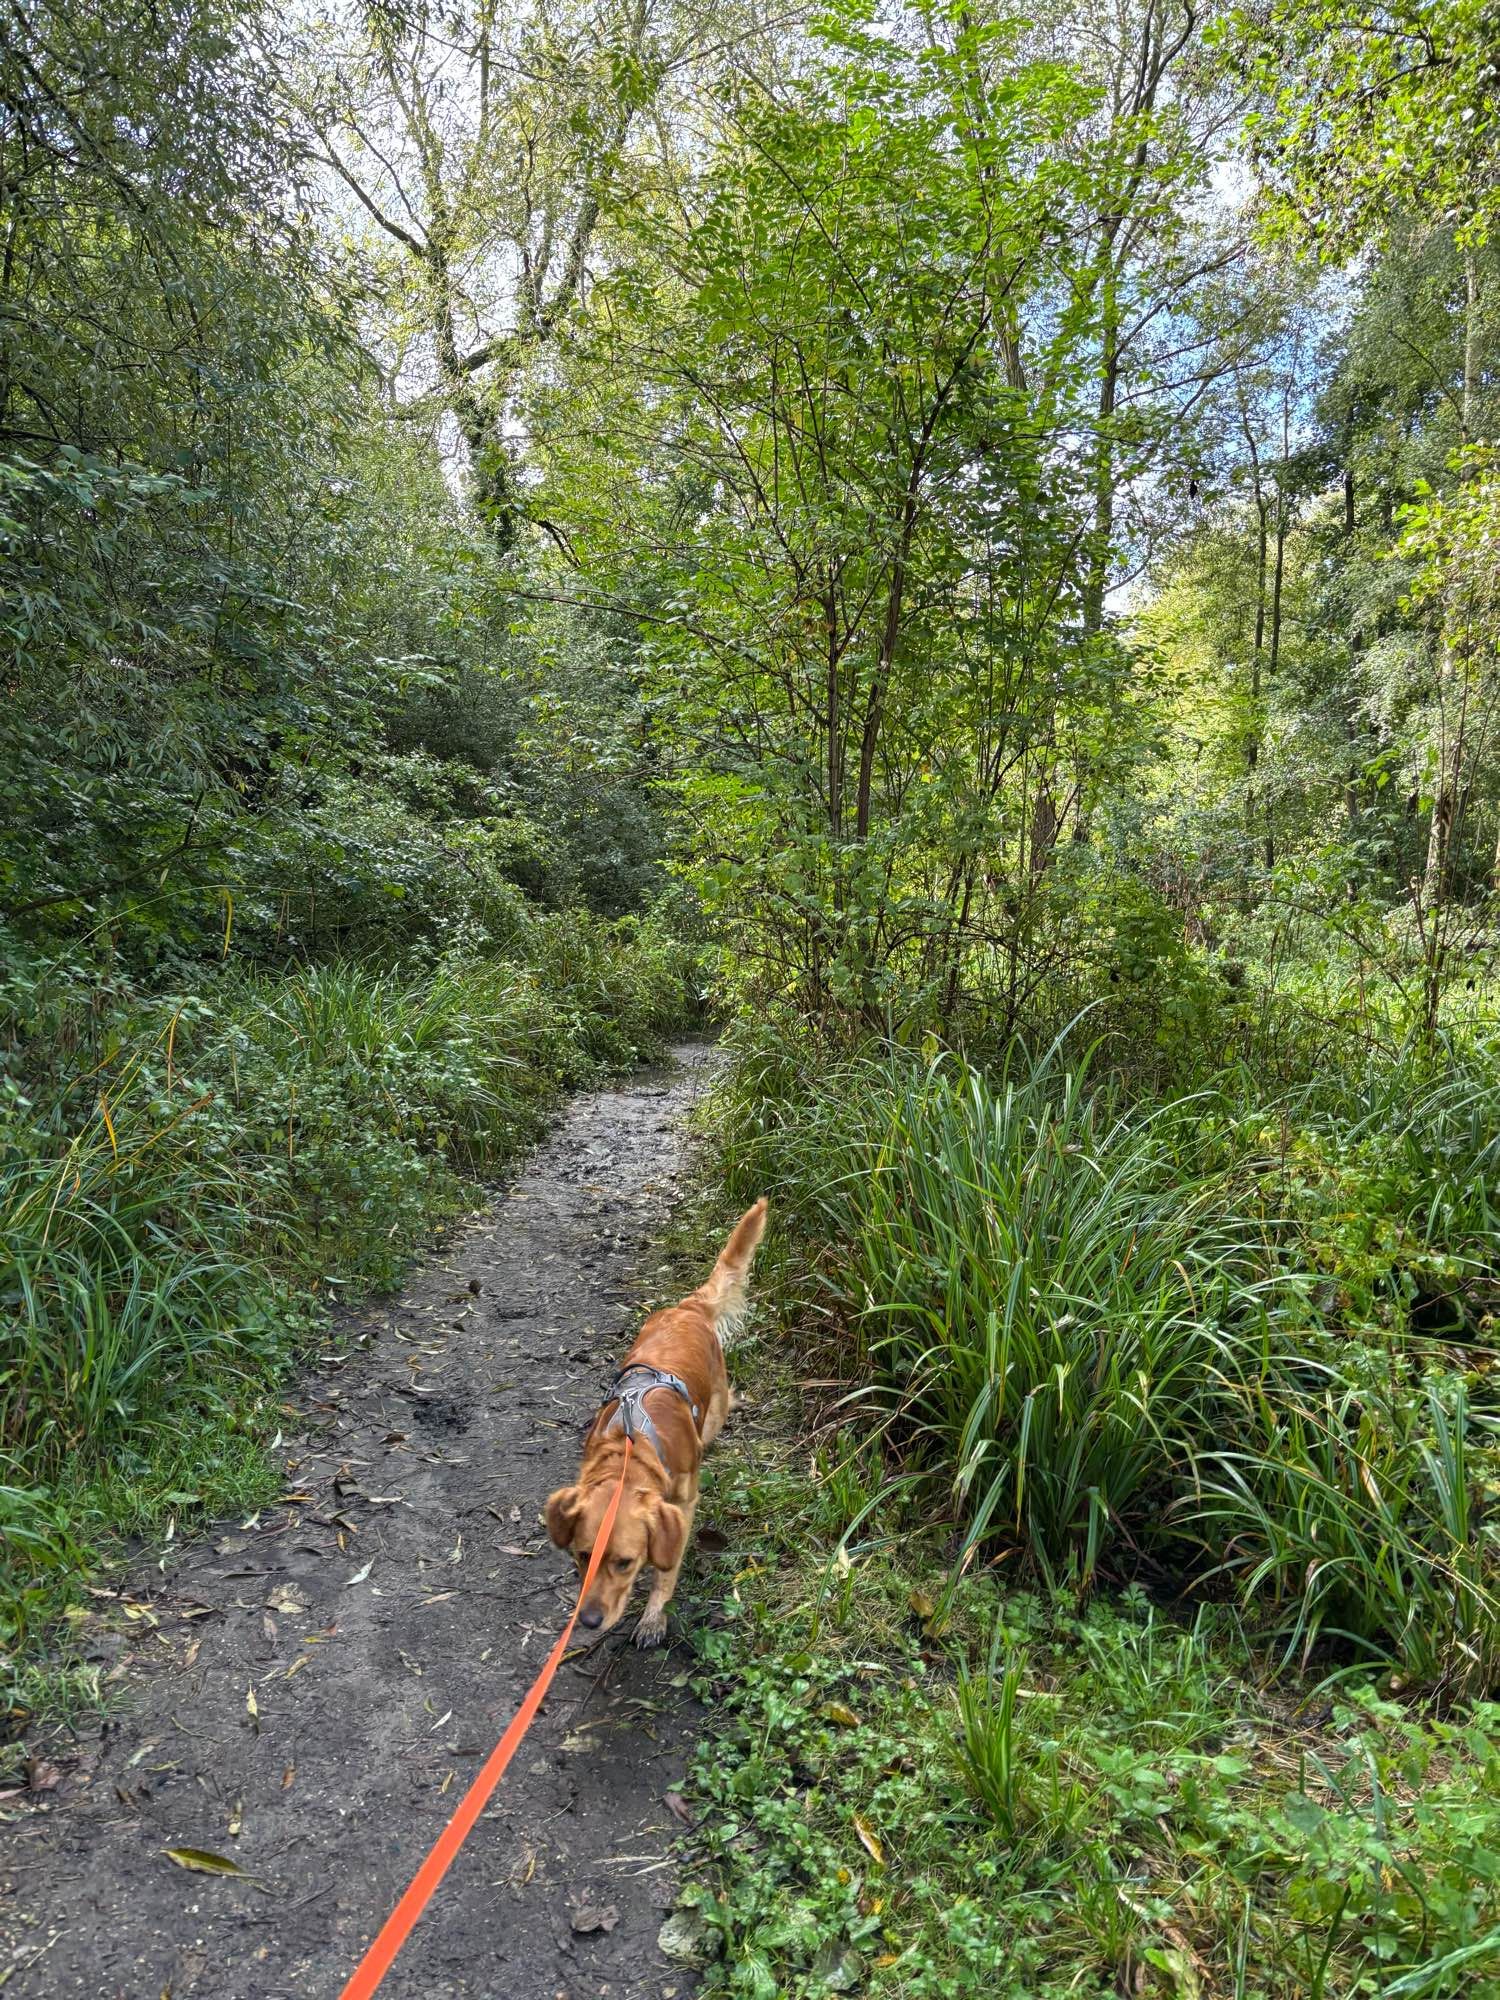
(383, 1670)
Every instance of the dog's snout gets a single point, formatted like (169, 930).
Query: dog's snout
(591, 1617)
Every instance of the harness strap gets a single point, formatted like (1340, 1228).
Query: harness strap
(629, 1396)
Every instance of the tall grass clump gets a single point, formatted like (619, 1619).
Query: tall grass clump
(1104, 1333)
(212, 1171)
(1050, 1298)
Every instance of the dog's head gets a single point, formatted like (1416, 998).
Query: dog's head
(647, 1529)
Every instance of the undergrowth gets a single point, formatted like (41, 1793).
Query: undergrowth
(188, 1184)
(916, 1788)
(1109, 1604)
(1120, 1341)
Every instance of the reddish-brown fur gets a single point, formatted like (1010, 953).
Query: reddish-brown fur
(655, 1519)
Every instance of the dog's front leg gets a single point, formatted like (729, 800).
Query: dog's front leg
(653, 1626)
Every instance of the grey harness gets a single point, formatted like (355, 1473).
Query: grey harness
(629, 1391)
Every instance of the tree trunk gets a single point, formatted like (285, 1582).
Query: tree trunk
(1454, 656)
(1273, 660)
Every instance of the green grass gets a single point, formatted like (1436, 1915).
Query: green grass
(1107, 1340)
(186, 1185)
(1029, 1797)
(1128, 1622)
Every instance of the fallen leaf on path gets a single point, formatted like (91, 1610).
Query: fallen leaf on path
(287, 1776)
(252, 1709)
(42, 1776)
(586, 1919)
(686, 1937)
(360, 1574)
(236, 1819)
(677, 1806)
(286, 1601)
(201, 1862)
(448, 1717)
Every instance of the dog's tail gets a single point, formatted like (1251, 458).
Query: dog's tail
(724, 1291)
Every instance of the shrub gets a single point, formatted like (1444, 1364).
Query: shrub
(1098, 1334)
(178, 1190)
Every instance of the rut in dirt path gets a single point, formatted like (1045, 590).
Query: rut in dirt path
(383, 1671)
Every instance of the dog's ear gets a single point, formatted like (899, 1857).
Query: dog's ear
(668, 1536)
(561, 1512)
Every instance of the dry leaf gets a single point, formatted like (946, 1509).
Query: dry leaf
(252, 1709)
(586, 1919)
(840, 1712)
(287, 1776)
(42, 1776)
(360, 1574)
(677, 1806)
(868, 1840)
(236, 1819)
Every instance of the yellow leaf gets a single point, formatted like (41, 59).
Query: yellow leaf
(202, 1862)
(868, 1840)
(840, 1712)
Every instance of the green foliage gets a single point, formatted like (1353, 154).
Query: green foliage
(1061, 1801)
(174, 1225)
(1098, 1333)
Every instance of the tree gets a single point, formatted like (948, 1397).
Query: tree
(475, 152)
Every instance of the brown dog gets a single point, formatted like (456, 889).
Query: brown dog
(672, 1394)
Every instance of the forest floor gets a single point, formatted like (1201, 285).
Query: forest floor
(307, 1693)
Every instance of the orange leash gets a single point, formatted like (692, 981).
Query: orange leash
(400, 1924)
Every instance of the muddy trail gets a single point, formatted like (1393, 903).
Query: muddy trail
(309, 1692)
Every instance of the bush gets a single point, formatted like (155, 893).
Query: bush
(168, 1223)
(1097, 1333)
